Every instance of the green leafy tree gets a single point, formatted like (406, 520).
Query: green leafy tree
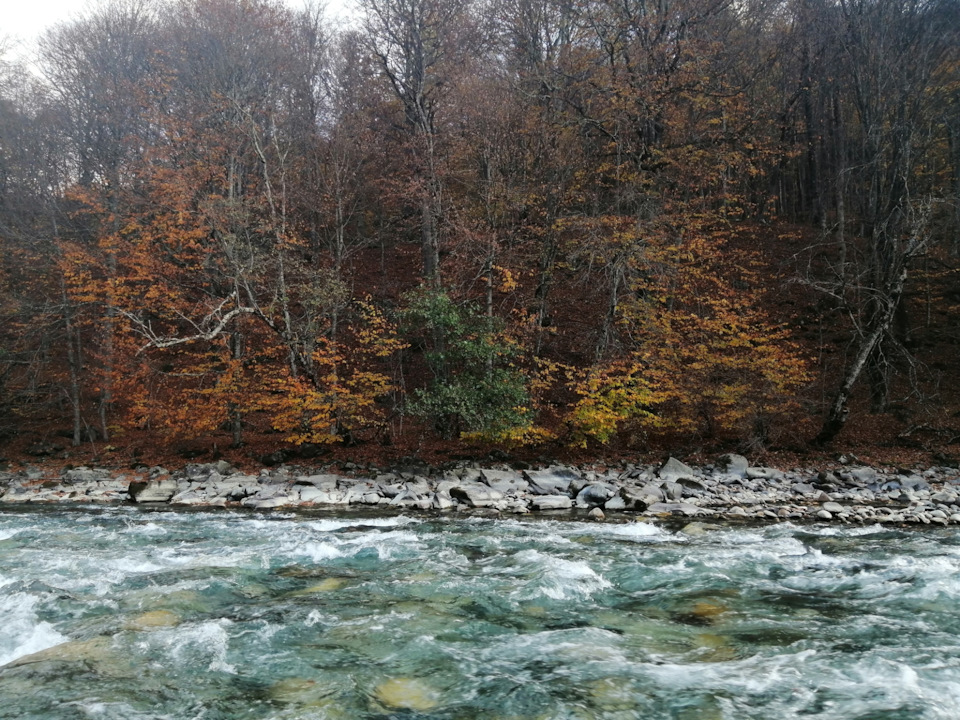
(475, 390)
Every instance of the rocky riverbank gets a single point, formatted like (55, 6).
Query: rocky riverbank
(728, 489)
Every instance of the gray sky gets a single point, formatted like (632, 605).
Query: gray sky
(23, 20)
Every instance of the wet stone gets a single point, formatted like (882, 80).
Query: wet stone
(551, 502)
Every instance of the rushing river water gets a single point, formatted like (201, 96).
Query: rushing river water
(122, 614)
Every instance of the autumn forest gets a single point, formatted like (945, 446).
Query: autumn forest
(562, 225)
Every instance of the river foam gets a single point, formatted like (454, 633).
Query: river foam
(227, 615)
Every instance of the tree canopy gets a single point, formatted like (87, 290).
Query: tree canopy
(583, 223)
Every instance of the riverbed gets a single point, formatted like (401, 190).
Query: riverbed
(120, 612)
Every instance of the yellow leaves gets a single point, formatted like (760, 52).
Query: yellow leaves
(702, 354)
(609, 397)
(508, 282)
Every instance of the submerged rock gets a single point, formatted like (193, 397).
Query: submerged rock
(153, 619)
(407, 694)
(303, 692)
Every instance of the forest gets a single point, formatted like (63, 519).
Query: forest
(457, 226)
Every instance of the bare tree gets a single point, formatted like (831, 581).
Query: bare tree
(416, 44)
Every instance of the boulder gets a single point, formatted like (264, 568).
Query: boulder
(476, 495)
(551, 502)
(551, 481)
(443, 501)
(84, 475)
(733, 464)
(420, 486)
(410, 499)
(615, 503)
(640, 498)
(323, 481)
(672, 490)
(235, 488)
(691, 486)
(154, 491)
(673, 469)
(191, 496)
(673, 509)
(268, 503)
(355, 493)
(861, 475)
(504, 481)
(321, 496)
(764, 473)
(595, 494)
(915, 483)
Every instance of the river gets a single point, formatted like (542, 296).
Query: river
(120, 613)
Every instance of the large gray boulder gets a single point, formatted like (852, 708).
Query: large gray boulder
(442, 500)
(476, 495)
(551, 481)
(324, 481)
(505, 481)
(154, 491)
(672, 470)
(190, 496)
(635, 498)
(615, 503)
(551, 502)
(595, 494)
(733, 464)
(322, 496)
(355, 494)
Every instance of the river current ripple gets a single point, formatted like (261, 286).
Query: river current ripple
(119, 613)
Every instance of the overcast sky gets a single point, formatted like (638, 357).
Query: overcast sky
(23, 20)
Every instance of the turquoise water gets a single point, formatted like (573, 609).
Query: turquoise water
(120, 613)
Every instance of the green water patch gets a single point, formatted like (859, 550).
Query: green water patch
(125, 614)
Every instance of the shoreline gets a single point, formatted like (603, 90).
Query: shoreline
(728, 489)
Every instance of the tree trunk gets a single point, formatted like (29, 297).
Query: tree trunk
(236, 418)
(837, 416)
(73, 362)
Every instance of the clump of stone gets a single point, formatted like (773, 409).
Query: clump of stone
(729, 489)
